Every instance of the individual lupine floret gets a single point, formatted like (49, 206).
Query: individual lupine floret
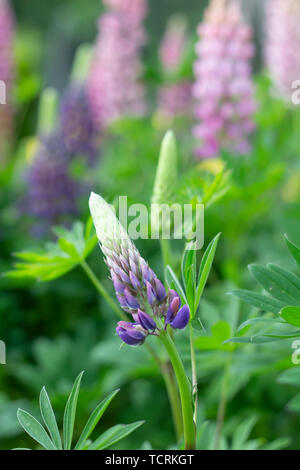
(283, 43)
(138, 289)
(224, 88)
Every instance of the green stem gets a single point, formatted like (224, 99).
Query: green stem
(167, 372)
(194, 373)
(222, 406)
(101, 289)
(184, 390)
(166, 252)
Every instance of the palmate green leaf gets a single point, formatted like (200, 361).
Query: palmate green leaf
(277, 283)
(263, 302)
(114, 435)
(173, 281)
(57, 259)
(291, 315)
(49, 418)
(290, 377)
(294, 250)
(94, 419)
(264, 337)
(70, 412)
(220, 333)
(35, 429)
(205, 268)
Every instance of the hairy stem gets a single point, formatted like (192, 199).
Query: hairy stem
(184, 390)
(101, 289)
(194, 373)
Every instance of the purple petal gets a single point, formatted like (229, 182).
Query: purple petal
(160, 290)
(173, 309)
(146, 321)
(122, 300)
(150, 293)
(118, 285)
(130, 336)
(130, 299)
(182, 318)
(134, 280)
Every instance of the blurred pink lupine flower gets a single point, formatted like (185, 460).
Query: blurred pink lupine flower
(114, 89)
(174, 97)
(7, 27)
(223, 89)
(283, 44)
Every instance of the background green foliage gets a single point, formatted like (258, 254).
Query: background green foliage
(54, 330)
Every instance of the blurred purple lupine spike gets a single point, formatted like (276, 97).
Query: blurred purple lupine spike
(138, 289)
(7, 31)
(283, 43)
(77, 128)
(224, 89)
(52, 193)
(114, 89)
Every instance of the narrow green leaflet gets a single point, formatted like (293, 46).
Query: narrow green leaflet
(205, 268)
(258, 320)
(70, 412)
(188, 269)
(263, 302)
(57, 259)
(294, 250)
(94, 419)
(35, 429)
(114, 435)
(291, 315)
(278, 285)
(49, 418)
(172, 279)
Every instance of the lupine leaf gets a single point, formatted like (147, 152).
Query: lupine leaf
(263, 302)
(290, 377)
(57, 259)
(49, 418)
(172, 279)
(276, 284)
(291, 315)
(70, 411)
(294, 250)
(35, 429)
(94, 419)
(254, 321)
(114, 435)
(205, 268)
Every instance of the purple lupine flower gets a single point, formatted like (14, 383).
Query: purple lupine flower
(224, 89)
(174, 96)
(52, 193)
(114, 88)
(7, 29)
(283, 43)
(138, 289)
(76, 124)
(130, 333)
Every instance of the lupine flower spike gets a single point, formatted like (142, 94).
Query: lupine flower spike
(283, 43)
(114, 87)
(138, 289)
(224, 89)
(175, 96)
